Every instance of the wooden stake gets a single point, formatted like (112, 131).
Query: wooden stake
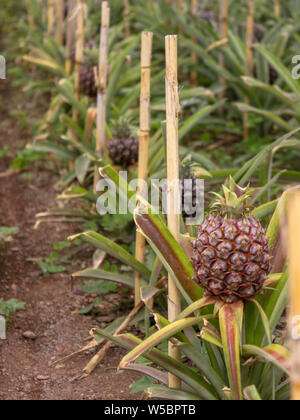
(29, 14)
(70, 34)
(126, 18)
(60, 11)
(102, 85)
(294, 270)
(172, 111)
(79, 51)
(194, 75)
(43, 9)
(181, 11)
(50, 16)
(145, 118)
(223, 36)
(277, 8)
(249, 57)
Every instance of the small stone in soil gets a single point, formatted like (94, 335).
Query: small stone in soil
(29, 335)
(42, 377)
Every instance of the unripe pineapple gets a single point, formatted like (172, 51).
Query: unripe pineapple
(124, 147)
(231, 256)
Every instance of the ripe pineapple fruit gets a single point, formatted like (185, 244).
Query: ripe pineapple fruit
(124, 147)
(231, 256)
(87, 82)
(189, 199)
(188, 196)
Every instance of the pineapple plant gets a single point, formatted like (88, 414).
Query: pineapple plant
(231, 256)
(231, 345)
(123, 149)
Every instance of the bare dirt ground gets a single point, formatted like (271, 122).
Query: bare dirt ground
(50, 313)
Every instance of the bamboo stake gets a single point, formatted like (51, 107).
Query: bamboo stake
(181, 10)
(194, 76)
(29, 15)
(223, 36)
(102, 85)
(79, 51)
(126, 18)
(43, 10)
(60, 10)
(50, 16)
(277, 8)
(172, 111)
(249, 57)
(70, 34)
(145, 117)
(78, 63)
(294, 269)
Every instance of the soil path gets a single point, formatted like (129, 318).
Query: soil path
(50, 313)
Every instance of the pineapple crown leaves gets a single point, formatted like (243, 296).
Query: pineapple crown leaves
(121, 128)
(235, 199)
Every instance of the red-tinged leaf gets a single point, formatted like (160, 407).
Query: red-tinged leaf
(155, 339)
(196, 306)
(164, 393)
(238, 309)
(150, 371)
(229, 318)
(195, 356)
(274, 353)
(170, 252)
(186, 374)
(162, 322)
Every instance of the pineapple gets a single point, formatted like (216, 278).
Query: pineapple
(124, 147)
(189, 199)
(87, 83)
(188, 195)
(231, 256)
